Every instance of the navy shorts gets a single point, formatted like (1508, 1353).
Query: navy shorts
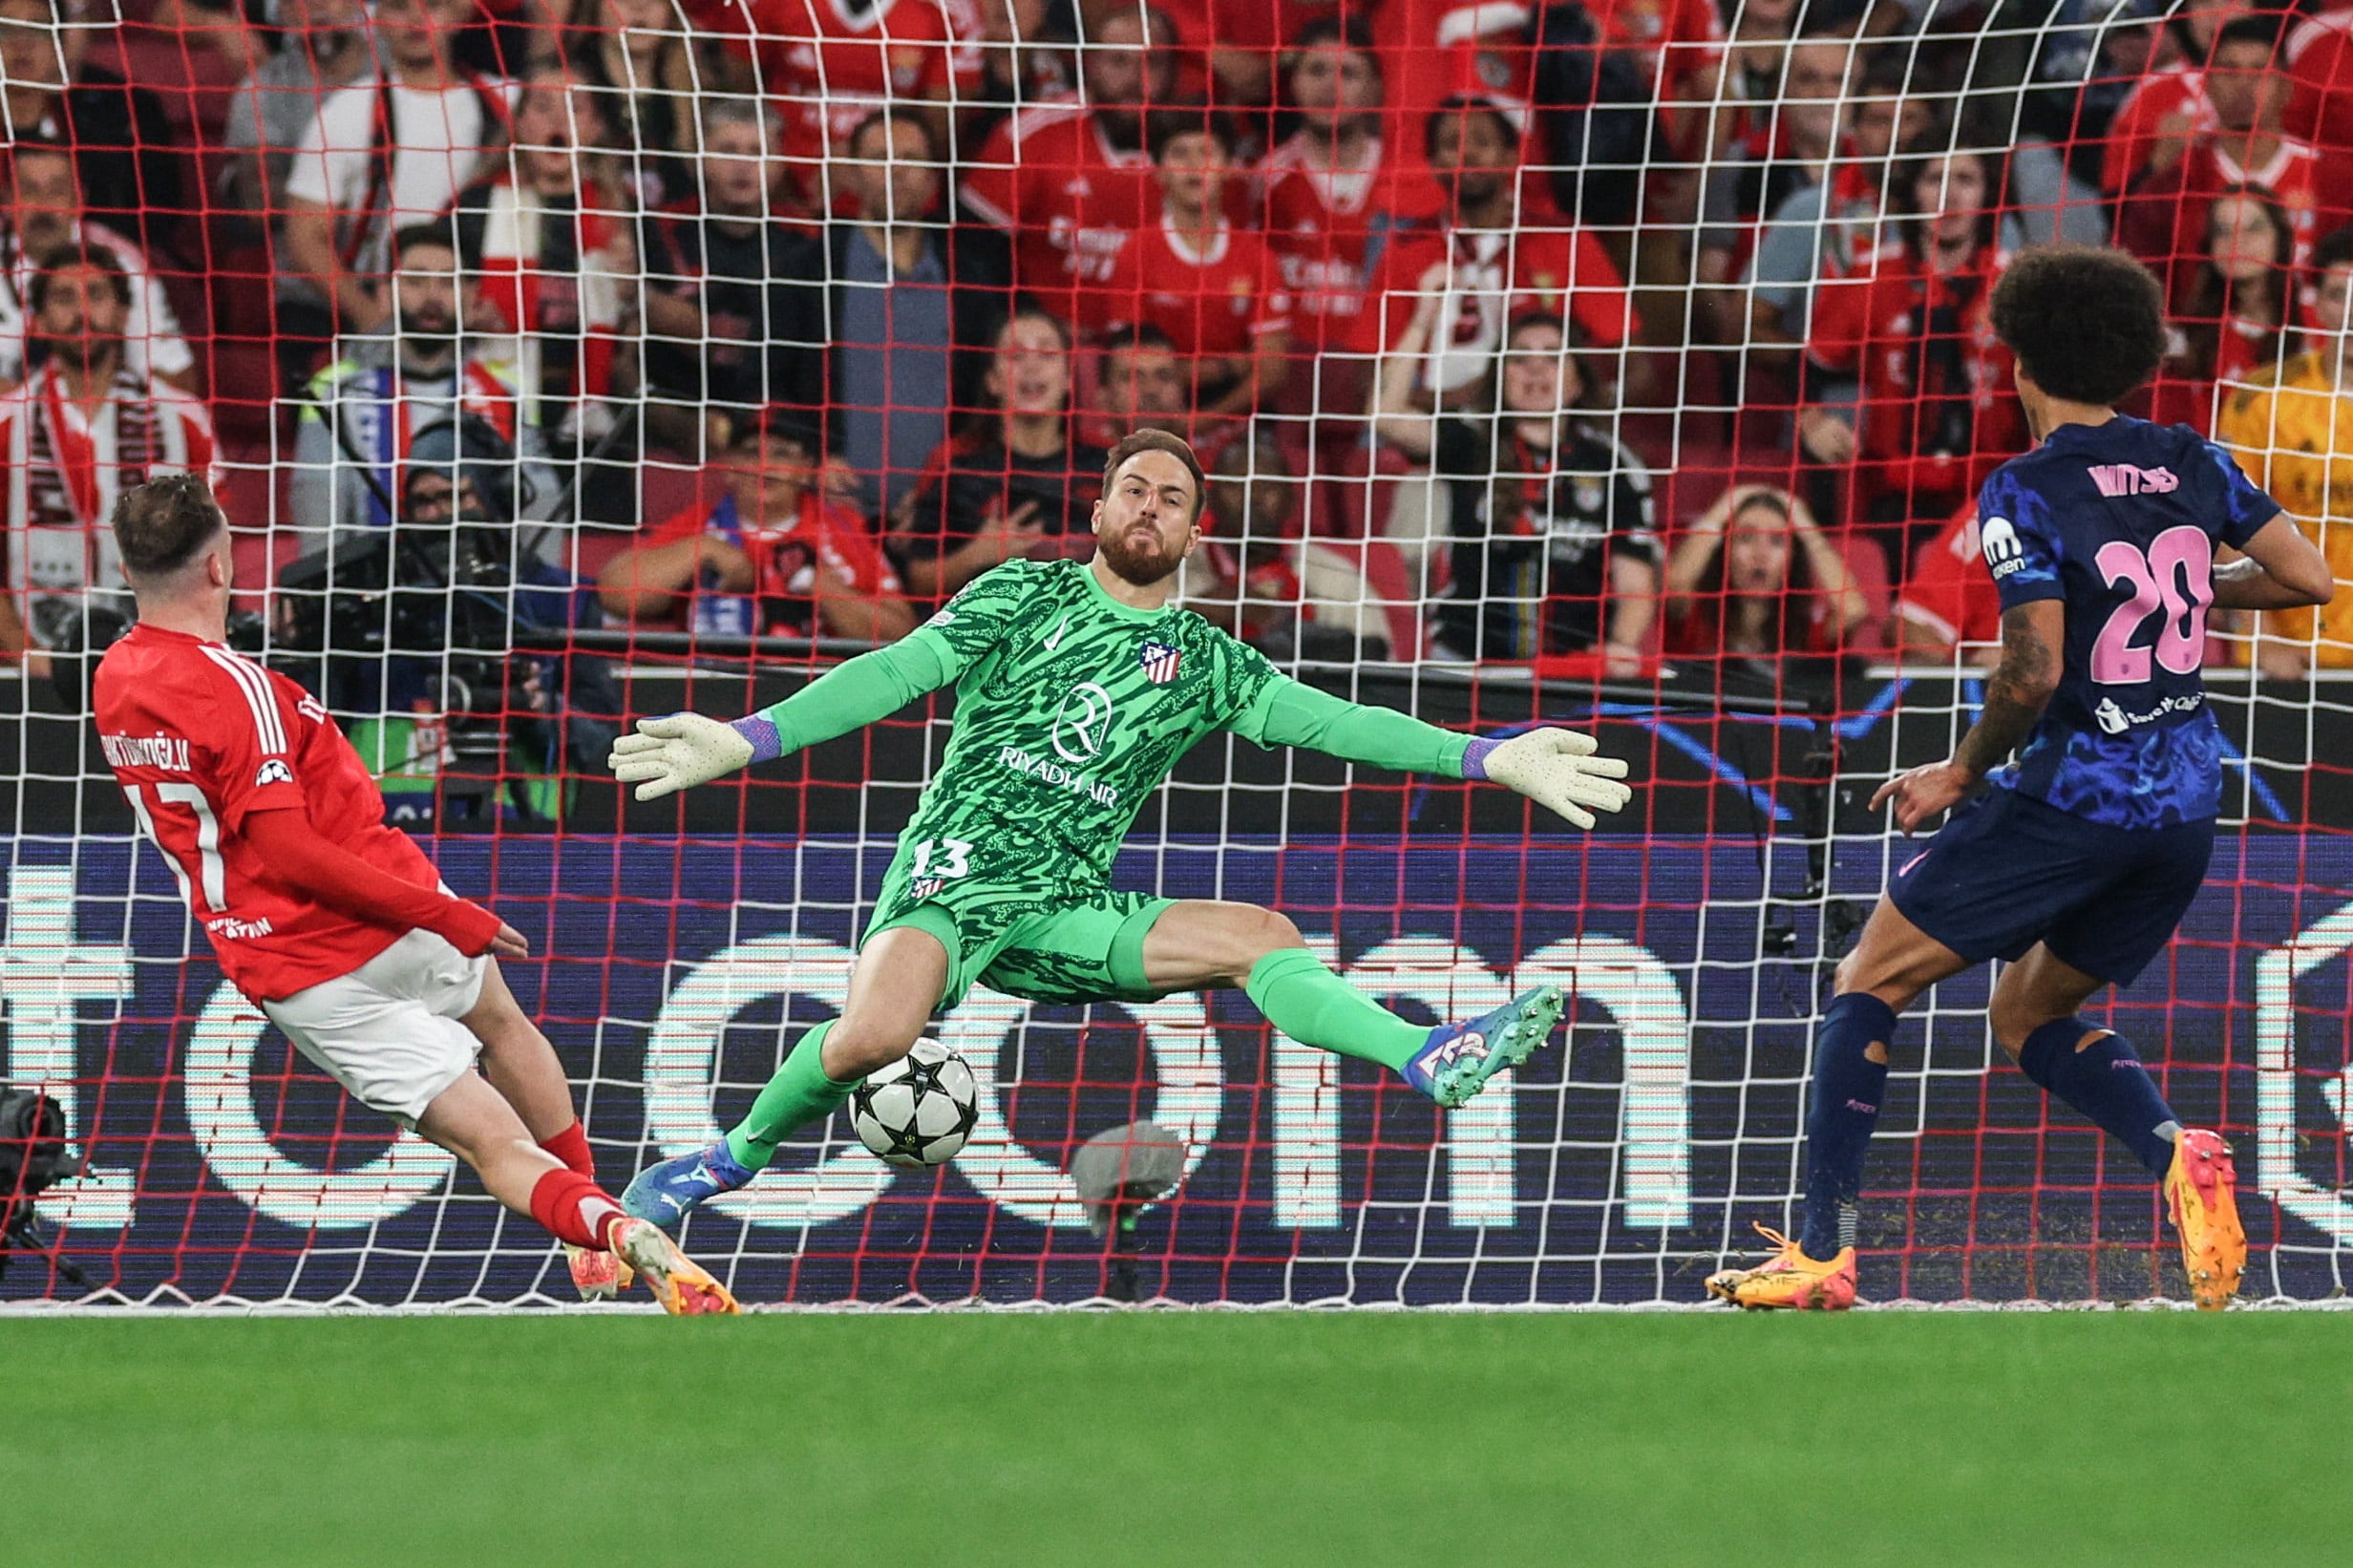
(2008, 872)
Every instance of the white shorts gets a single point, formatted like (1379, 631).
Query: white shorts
(389, 1031)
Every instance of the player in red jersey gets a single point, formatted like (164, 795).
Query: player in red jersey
(334, 924)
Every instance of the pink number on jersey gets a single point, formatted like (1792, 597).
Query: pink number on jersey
(2176, 572)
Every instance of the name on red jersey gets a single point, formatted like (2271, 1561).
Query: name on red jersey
(168, 753)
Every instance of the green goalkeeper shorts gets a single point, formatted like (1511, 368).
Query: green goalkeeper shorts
(1088, 947)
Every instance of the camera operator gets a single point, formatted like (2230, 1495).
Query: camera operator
(413, 629)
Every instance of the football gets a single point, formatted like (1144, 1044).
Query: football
(918, 1111)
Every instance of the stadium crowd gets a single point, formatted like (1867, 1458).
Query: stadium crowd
(1580, 335)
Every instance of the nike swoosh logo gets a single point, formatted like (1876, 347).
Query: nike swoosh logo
(1053, 642)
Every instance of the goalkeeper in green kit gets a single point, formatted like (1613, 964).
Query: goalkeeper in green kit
(1077, 688)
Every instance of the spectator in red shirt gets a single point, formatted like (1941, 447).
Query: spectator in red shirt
(1679, 43)
(773, 558)
(1018, 479)
(1756, 577)
(1490, 265)
(1948, 598)
(1938, 410)
(1212, 286)
(1244, 43)
(2169, 105)
(84, 428)
(1672, 47)
(832, 64)
(2163, 218)
(2232, 323)
(2319, 55)
(1066, 179)
(1324, 190)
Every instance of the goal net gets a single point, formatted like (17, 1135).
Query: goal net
(1622, 365)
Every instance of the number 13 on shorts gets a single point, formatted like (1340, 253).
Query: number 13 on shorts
(953, 858)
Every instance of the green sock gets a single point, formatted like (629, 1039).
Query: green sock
(799, 1095)
(1306, 1001)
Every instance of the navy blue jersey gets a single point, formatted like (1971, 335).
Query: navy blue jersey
(2120, 521)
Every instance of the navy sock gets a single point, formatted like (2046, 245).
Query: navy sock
(2107, 1083)
(1848, 1086)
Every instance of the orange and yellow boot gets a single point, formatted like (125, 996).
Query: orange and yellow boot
(1789, 1280)
(2198, 1193)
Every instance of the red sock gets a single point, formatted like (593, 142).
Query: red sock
(580, 1212)
(571, 1146)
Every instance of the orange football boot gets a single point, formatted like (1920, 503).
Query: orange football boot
(1789, 1280)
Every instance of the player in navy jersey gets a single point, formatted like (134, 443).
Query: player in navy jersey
(2081, 858)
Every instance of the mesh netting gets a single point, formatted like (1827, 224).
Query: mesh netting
(1623, 365)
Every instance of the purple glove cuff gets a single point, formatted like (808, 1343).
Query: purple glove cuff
(767, 745)
(1474, 758)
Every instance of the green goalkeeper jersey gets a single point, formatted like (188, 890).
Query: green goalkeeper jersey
(1070, 709)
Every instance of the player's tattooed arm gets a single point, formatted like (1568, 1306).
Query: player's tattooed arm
(2016, 694)
(2019, 689)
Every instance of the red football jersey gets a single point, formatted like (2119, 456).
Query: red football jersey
(1876, 326)
(784, 557)
(2319, 55)
(200, 739)
(1215, 302)
(1318, 222)
(1559, 269)
(2132, 134)
(833, 68)
(2164, 221)
(1048, 178)
(1950, 592)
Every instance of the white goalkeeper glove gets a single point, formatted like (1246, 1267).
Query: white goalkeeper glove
(1557, 769)
(677, 751)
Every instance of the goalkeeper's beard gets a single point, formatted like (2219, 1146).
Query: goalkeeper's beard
(1144, 567)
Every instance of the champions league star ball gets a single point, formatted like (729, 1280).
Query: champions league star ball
(918, 1111)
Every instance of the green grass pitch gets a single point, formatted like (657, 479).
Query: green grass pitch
(1193, 1438)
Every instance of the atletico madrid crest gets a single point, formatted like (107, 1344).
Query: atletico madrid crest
(925, 887)
(1160, 662)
